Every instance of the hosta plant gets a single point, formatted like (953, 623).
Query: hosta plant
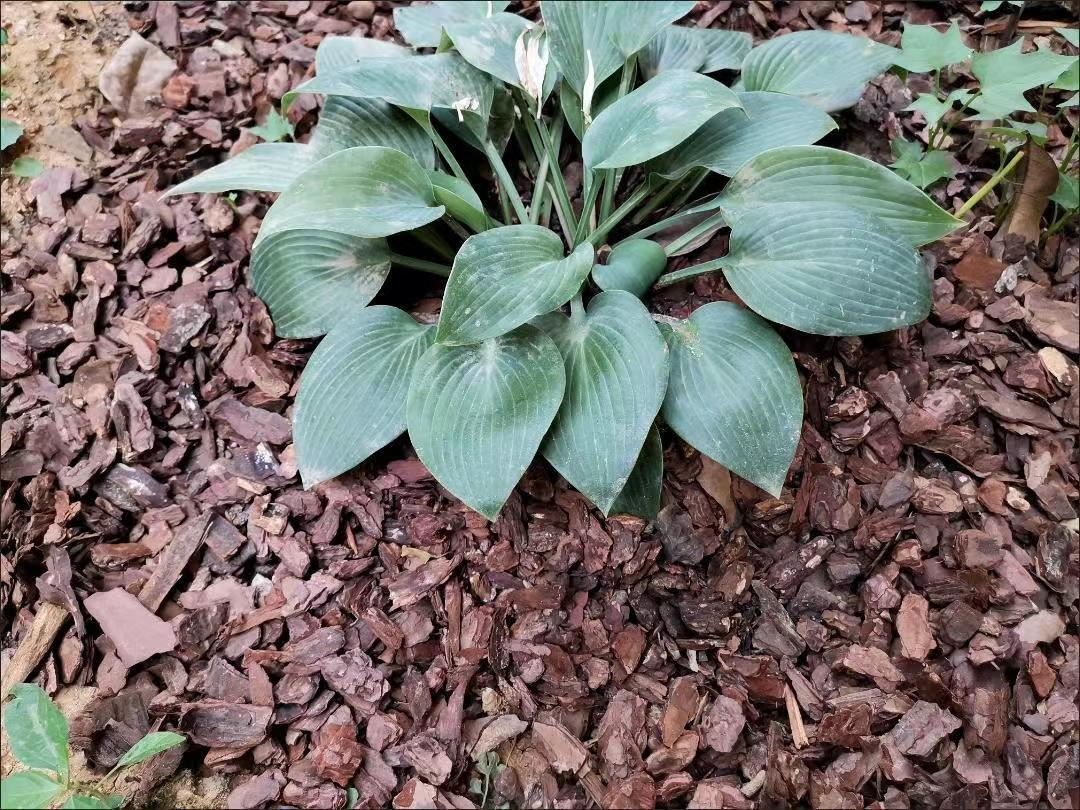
(452, 161)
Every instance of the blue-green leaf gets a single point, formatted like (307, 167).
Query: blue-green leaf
(149, 745)
(28, 789)
(422, 25)
(641, 495)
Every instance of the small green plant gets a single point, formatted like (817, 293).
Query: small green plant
(489, 767)
(821, 240)
(277, 127)
(38, 734)
(10, 131)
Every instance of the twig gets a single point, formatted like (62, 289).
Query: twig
(990, 184)
(47, 623)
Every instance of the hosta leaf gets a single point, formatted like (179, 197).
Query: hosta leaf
(262, 167)
(37, 730)
(488, 43)
(1006, 73)
(422, 25)
(150, 745)
(602, 34)
(461, 201)
(28, 789)
(824, 68)
(616, 375)
(570, 104)
(733, 393)
(641, 495)
(732, 138)
(478, 413)
(921, 169)
(829, 270)
(654, 118)
(348, 122)
(338, 53)
(924, 48)
(367, 191)
(632, 265)
(353, 390)
(706, 50)
(310, 279)
(505, 277)
(817, 174)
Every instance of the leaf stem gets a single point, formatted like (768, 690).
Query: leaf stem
(667, 222)
(703, 227)
(614, 176)
(433, 240)
(539, 186)
(592, 190)
(420, 264)
(505, 180)
(447, 155)
(693, 271)
(670, 188)
(990, 184)
(537, 128)
(598, 236)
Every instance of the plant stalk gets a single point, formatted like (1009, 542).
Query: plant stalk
(447, 155)
(667, 222)
(505, 180)
(598, 236)
(715, 221)
(693, 271)
(420, 264)
(990, 184)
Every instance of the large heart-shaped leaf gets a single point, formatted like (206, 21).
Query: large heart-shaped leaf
(732, 138)
(654, 118)
(310, 279)
(422, 25)
(367, 191)
(734, 393)
(641, 495)
(262, 167)
(827, 69)
(338, 53)
(590, 41)
(348, 122)
(488, 43)
(706, 50)
(829, 270)
(817, 174)
(616, 375)
(477, 413)
(353, 390)
(505, 277)
(29, 789)
(37, 730)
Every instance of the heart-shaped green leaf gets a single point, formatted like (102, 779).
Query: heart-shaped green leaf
(353, 390)
(730, 139)
(478, 413)
(505, 277)
(829, 270)
(488, 43)
(367, 191)
(150, 745)
(632, 265)
(616, 375)
(37, 730)
(28, 789)
(262, 167)
(706, 50)
(348, 122)
(590, 41)
(817, 174)
(824, 68)
(422, 25)
(338, 53)
(734, 393)
(311, 279)
(652, 119)
(641, 495)
(923, 48)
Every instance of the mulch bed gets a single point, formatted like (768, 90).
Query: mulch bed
(898, 630)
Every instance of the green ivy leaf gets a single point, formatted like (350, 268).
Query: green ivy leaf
(150, 745)
(641, 495)
(654, 118)
(828, 270)
(505, 277)
(275, 128)
(366, 191)
(734, 393)
(422, 26)
(826, 69)
(921, 169)
(616, 374)
(28, 789)
(1067, 194)
(10, 131)
(924, 49)
(26, 167)
(732, 138)
(934, 109)
(1005, 74)
(353, 390)
(818, 174)
(478, 413)
(1071, 35)
(37, 730)
(989, 6)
